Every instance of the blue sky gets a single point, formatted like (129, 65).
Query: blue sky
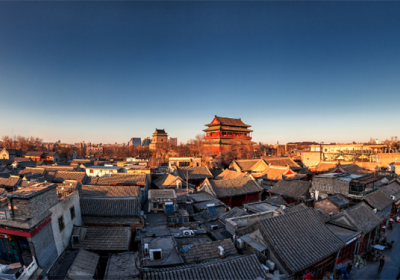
(109, 71)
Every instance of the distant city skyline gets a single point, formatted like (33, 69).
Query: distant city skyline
(101, 72)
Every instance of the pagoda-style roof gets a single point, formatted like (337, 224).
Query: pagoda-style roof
(159, 131)
(227, 141)
(218, 128)
(227, 122)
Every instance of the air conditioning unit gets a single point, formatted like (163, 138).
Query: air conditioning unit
(155, 254)
(146, 249)
(240, 243)
(188, 233)
(221, 250)
(270, 265)
(213, 227)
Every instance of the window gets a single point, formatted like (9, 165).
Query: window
(61, 225)
(72, 211)
(91, 170)
(155, 205)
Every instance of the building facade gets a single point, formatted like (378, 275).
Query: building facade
(222, 132)
(160, 137)
(135, 142)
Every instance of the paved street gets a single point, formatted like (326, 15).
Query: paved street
(392, 257)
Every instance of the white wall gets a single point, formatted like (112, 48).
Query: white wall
(63, 208)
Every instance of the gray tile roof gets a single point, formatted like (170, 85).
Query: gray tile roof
(60, 176)
(296, 207)
(292, 188)
(299, 239)
(362, 216)
(276, 200)
(235, 212)
(120, 179)
(167, 194)
(9, 182)
(108, 207)
(84, 266)
(208, 251)
(109, 191)
(339, 200)
(104, 238)
(239, 267)
(195, 173)
(378, 199)
(235, 187)
(245, 164)
(122, 266)
(169, 181)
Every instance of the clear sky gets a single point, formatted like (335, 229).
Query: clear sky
(109, 71)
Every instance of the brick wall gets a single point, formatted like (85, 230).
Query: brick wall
(43, 202)
(30, 208)
(327, 206)
(45, 247)
(22, 208)
(330, 186)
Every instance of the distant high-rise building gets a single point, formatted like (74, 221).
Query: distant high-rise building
(173, 141)
(135, 142)
(146, 142)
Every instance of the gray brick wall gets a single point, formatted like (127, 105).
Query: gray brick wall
(30, 208)
(43, 202)
(22, 208)
(45, 247)
(330, 186)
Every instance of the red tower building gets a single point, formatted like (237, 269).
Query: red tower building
(225, 131)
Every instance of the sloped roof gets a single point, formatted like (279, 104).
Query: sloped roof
(195, 173)
(296, 207)
(378, 200)
(169, 181)
(104, 238)
(274, 173)
(235, 187)
(292, 188)
(84, 265)
(57, 167)
(322, 215)
(60, 176)
(122, 266)
(363, 217)
(325, 166)
(339, 200)
(352, 168)
(31, 170)
(34, 154)
(109, 207)
(281, 161)
(245, 164)
(164, 193)
(208, 251)
(109, 191)
(11, 181)
(235, 212)
(391, 189)
(230, 174)
(276, 200)
(126, 179)
(299, 239)
(228, 122)
(233, 268)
